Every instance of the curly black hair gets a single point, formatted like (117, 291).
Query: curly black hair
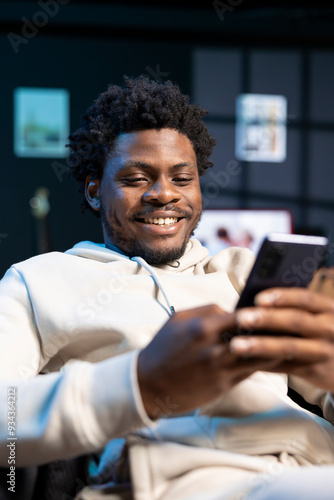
(141, 104)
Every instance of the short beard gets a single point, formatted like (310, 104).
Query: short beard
(155, 258)
(133, 248)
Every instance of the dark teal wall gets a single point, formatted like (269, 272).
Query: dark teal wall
(85, 67)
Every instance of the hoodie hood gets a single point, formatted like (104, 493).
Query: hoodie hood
(195, 255)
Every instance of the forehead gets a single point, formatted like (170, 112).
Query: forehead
(167, 144)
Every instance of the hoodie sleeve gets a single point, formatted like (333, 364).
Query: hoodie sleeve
(63, 414)
(314, 395)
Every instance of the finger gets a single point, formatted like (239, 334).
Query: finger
(295, 351)
(201, 324)
(199, 312)
(244, 367)
(287, 320)
(220, 356)
(209, 319)
(295, 297)
(215, 328)
(221, 369)
(318, 374)
(234, 368)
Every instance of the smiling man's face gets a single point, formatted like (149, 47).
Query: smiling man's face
(149, 195)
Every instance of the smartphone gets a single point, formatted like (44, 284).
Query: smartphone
(284, 260)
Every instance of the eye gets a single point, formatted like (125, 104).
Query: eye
(133, 181)
(182, 179)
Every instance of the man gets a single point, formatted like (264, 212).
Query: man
(132, 331)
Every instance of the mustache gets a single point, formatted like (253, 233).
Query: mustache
(147, 211)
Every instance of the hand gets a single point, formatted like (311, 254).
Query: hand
(188, 363)
(296, 311)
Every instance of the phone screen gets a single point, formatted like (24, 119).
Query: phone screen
(284, 260)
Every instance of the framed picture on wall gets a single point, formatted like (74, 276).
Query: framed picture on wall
(261, 127)
(41, 122)
(222, 228)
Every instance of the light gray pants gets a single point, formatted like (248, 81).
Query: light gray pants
(304, 483)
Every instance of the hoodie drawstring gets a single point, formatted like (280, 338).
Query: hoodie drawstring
(154, 275)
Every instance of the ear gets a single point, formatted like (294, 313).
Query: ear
(92, 193)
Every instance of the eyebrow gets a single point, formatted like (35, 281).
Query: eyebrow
(148, 166)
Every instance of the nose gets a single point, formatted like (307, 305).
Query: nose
(162, 192)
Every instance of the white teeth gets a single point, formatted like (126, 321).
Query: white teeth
(161, 221)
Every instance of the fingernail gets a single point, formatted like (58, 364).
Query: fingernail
(267, 298)
(240, 345)
(247, 318)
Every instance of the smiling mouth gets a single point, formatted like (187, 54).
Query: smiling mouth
(160, 221)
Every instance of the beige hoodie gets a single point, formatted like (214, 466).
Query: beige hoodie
(71, 325)
(79, 318)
